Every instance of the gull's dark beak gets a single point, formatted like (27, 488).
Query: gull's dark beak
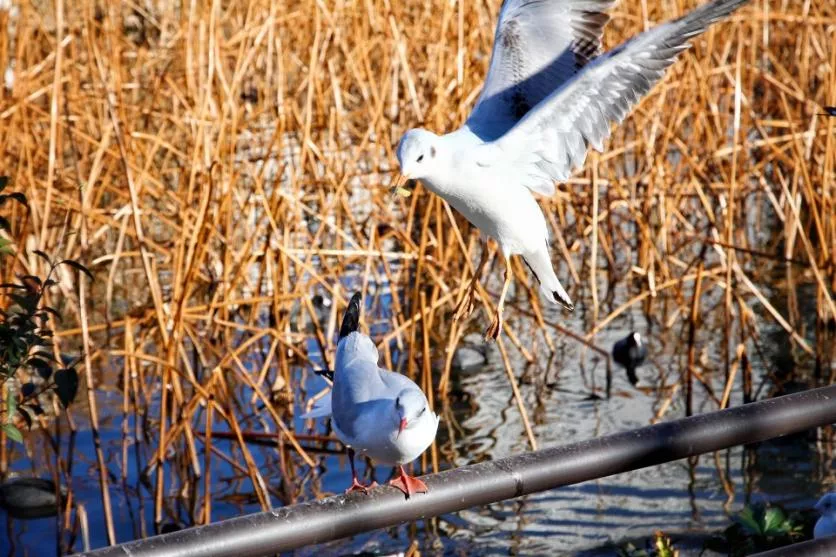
(402, 426)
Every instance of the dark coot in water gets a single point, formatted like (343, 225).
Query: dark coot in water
(28, 498)
(630, 353)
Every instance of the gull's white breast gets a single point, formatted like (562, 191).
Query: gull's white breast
(491, 196)
(377, 436)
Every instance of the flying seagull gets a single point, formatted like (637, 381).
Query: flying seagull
(630, 352)
(548, 95)
(374, 411)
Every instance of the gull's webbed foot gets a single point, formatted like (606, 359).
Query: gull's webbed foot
(465, 306)
(357, 486)
(410, 485)
(492, 333)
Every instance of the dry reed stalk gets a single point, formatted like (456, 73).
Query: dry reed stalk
(692, 326)
(126, 397)
(724, 402)
(426, 374)
(593, 250)
(532, 441)
(90, 384)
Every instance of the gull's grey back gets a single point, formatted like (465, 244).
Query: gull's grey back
(359, 382)
(538, 46)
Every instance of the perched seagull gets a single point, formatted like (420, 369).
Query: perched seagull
(548, 95)
(826, 524)
(375, 411)
(630, 352)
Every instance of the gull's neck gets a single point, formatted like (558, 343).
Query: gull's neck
(449, 176)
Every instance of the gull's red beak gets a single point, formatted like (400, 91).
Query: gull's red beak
(402, 426)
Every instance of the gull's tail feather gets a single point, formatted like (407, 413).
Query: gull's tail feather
(541, 265)
(321, 408)
(351, 320)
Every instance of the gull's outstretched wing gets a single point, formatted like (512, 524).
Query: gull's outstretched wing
(551, 140)
(538, 46)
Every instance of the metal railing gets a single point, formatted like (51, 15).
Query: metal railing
(825, 547)
(454, 490)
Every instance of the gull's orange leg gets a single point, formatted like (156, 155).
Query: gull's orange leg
(465, 305)
(496, 326)
(355, 483)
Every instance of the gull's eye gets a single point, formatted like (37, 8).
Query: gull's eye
(420, 158)
(421, 413)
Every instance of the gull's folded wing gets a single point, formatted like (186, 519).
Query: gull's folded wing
(538, 46)
(321, 408)
(551, 140)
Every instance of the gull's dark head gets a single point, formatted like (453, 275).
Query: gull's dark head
(417, 154)
(351, 319)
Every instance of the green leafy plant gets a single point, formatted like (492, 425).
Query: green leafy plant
(26, 343)
(759, 527)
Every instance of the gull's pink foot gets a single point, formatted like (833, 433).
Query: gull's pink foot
(465, 306)
(357, 486)
(410, 485)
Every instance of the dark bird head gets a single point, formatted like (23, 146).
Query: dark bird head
(630, 353)
(828, 111)
(351, 319)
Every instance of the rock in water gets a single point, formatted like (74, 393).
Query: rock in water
(467, 358)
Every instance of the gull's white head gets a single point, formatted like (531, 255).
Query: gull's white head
(410, 405)
(418, 154)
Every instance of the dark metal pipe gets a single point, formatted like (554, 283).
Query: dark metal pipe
(824, 547)
(336, 517)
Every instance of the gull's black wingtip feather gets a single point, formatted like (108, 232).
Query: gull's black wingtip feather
(327, 373)
(351, 320)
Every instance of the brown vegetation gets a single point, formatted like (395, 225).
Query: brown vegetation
(216, 164)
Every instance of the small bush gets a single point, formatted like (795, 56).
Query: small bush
(26, 341)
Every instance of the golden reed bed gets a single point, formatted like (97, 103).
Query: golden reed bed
(216, 164)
